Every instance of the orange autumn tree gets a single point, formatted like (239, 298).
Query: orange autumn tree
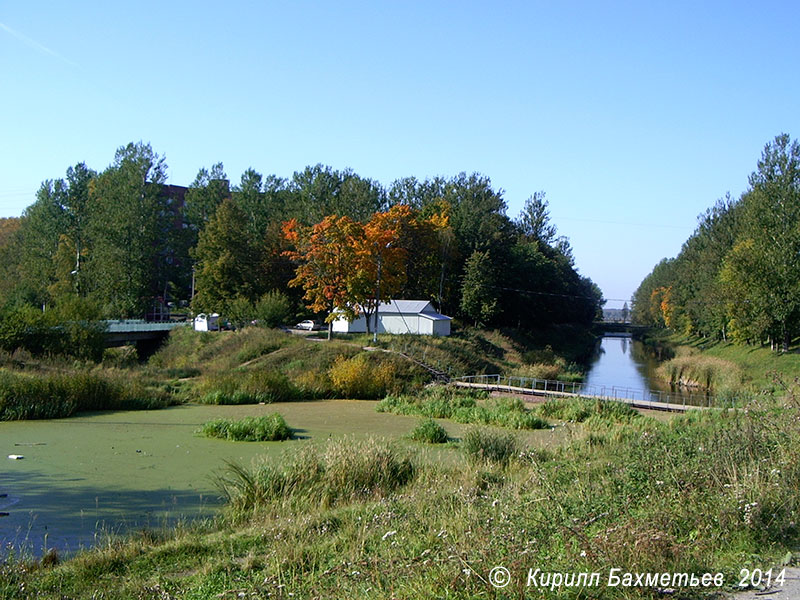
(382, 259)
(327, 261)
(348, 268)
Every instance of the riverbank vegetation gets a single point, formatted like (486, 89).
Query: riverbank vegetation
(737, 278)
(256, 364)
(361, 519)
(57, 395)
(464, 407)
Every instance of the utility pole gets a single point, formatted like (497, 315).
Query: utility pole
(377, 300)
(378, 292)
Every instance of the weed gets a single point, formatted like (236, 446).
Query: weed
(486, 445)
(342, 470)
(430, 432)
(268, 428)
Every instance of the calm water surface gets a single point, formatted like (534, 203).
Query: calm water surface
(623, 367)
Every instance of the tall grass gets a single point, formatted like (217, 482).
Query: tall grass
(430, 432)
(52, 396)
(266, 428)
(340, 471)
(464, 407)
(485, 445)
(701, 370)
(579, 410)
(248, 387)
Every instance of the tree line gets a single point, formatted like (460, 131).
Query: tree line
(123, 243)
(738, 276)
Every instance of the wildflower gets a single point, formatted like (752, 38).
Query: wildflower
(388, 534)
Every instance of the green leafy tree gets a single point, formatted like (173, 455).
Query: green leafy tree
(204, 195)
(226, 263)
(320, 191)
(52, 242)
(534, 220)
(129, 228)
(479, 298)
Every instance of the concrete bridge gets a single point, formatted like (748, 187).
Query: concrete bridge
(146, 336)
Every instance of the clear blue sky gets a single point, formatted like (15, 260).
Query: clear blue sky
(632, 117)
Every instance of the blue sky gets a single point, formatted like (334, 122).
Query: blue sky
(632, 117)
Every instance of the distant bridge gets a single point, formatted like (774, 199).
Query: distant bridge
(146, 336)
(612, 327)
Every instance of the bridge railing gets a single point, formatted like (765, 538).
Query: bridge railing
(618, 393)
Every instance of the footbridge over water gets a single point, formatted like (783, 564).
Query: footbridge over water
(527, 386)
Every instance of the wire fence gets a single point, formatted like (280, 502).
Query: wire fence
(653, 398)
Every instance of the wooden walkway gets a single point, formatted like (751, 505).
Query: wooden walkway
(544, 393)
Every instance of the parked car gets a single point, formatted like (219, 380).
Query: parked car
(308, 325)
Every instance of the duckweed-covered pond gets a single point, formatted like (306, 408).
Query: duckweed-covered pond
(84, 477)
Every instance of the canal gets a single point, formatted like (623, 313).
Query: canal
(623, 367)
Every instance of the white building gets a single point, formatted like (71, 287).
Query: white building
(204, 322)
(400, 316)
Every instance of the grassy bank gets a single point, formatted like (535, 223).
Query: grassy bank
(365, 519)
(256, 365)
(724, 366)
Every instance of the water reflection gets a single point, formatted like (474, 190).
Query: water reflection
(622, 366)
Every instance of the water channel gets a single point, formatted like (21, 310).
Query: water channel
(623, 368)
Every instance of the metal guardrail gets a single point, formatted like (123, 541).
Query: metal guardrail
(621, 394)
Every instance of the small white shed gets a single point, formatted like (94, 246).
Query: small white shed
(204, 322)
(400, 316)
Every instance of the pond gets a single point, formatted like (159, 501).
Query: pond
(100, 473)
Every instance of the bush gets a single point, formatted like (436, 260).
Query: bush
(485, 445)
(430, 432)
(273, 309)
(343, 470)
(267, 428)
(358, 377)
(70, 329)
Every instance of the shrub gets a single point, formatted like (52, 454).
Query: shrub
(70, 329)
(358, 377)
(267, 428)
(273, 309)
(430, 432)
(342, 470)
(485, 445)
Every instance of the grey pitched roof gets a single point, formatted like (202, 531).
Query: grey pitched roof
(406, 307)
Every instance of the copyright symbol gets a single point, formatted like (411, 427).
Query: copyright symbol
(499, 577)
